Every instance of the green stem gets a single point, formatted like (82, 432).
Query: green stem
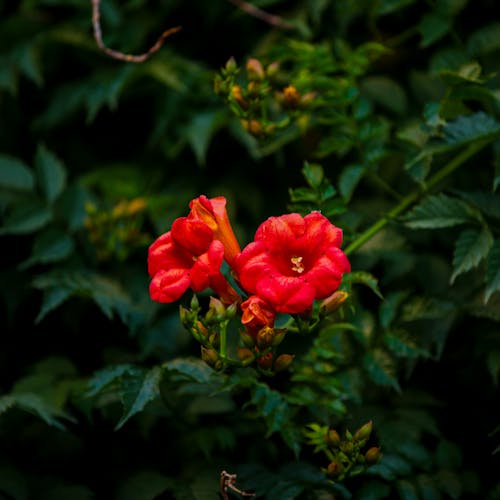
(223, 340)
(414, 195)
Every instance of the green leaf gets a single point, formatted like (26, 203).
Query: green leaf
(26, 218)
(470, 128)
(51, 173)
(373, 490)
(389, 307)
(471, 247)
(492, 271)
(50, 246)
(103, 378)
(407, 490)
(138, 391)
(403, 345)
(432, 27)
(381, 368)
(449, 483)
(367, 279)
(349, 179)
(51, 300)
(36, 405)
(488, 203)
(438, 211)
(386, 92)
(200, 131)
(484, 40)
(15, 174)
(313, 174)
(385, 7)
(192, 368)
(450, 7)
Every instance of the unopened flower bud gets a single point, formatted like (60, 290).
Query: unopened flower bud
(237, 95)
(347, 447)
(214, 339)
(307, 99)
(334, 469)
(279, 335)
(283, 362)
(254, 68)
(247, 339)
(218, 307)
(231, 310)
(363, 433)
(291, 96)
(333, 302)
(253, 88)
(332, 438)
(210, 356)
(373, 455)
(273, 69)
(244, 353)
(265, 362)
(253, 127)
(231, 65)
(195, 304)
(265, 337)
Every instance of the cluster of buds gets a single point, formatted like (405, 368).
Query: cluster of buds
(261, 102)
(348, 456)
(115, 232)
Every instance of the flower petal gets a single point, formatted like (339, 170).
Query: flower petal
(168, 286)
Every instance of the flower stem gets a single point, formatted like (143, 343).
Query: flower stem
(415, 195)
(223, 340)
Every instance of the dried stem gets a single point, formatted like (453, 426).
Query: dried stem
(227, 482)
(120, 55)
(276, 21)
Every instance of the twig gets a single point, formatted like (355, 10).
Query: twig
(120, 55)
(276, 21)
(227, 483)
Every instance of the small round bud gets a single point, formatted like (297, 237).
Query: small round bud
(273, 69)
(291, 96)
(265, 362)
(247, 339)
(334, 469)
(237, 95)
(283, 362)
(332, 438)
(254, 68)
(333, 302)
(372, 456)
(253, 127)
(231, 65)
(265, 337)
(244, 353)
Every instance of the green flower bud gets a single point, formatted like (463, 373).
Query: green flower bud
(254, 68)
(364, 432)
(247, 339)
(283, 362)
(334, 469)
(332, 438)
(218, 307)
(372, 456)
(279, 335)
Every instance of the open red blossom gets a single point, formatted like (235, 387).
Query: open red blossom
(292, 261)
(213, 212)
(187, 257)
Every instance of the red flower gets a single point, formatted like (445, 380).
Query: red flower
(293, 261)
(213, 212)
(187, 256)
(257, 313)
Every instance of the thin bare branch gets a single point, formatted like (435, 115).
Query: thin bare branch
(227, 482)
(271, 19)
(120, 55)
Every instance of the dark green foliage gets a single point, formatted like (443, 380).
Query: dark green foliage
(391, 128)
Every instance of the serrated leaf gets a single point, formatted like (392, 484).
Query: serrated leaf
(389, 307)
(471, 128)
(51, 173)
(26, 218)
(138, 391)
(471, 247)
(381, 368)
(51, 300)
(492, 271)
(15, 174)
(403, 345)
(367, 279)
(192, 368)
(103, 378)
(438, 211)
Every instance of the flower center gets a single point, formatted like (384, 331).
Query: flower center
(298, 267)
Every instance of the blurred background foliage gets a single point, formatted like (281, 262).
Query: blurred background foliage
(390, 125)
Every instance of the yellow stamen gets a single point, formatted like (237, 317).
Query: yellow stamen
(298, 267)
